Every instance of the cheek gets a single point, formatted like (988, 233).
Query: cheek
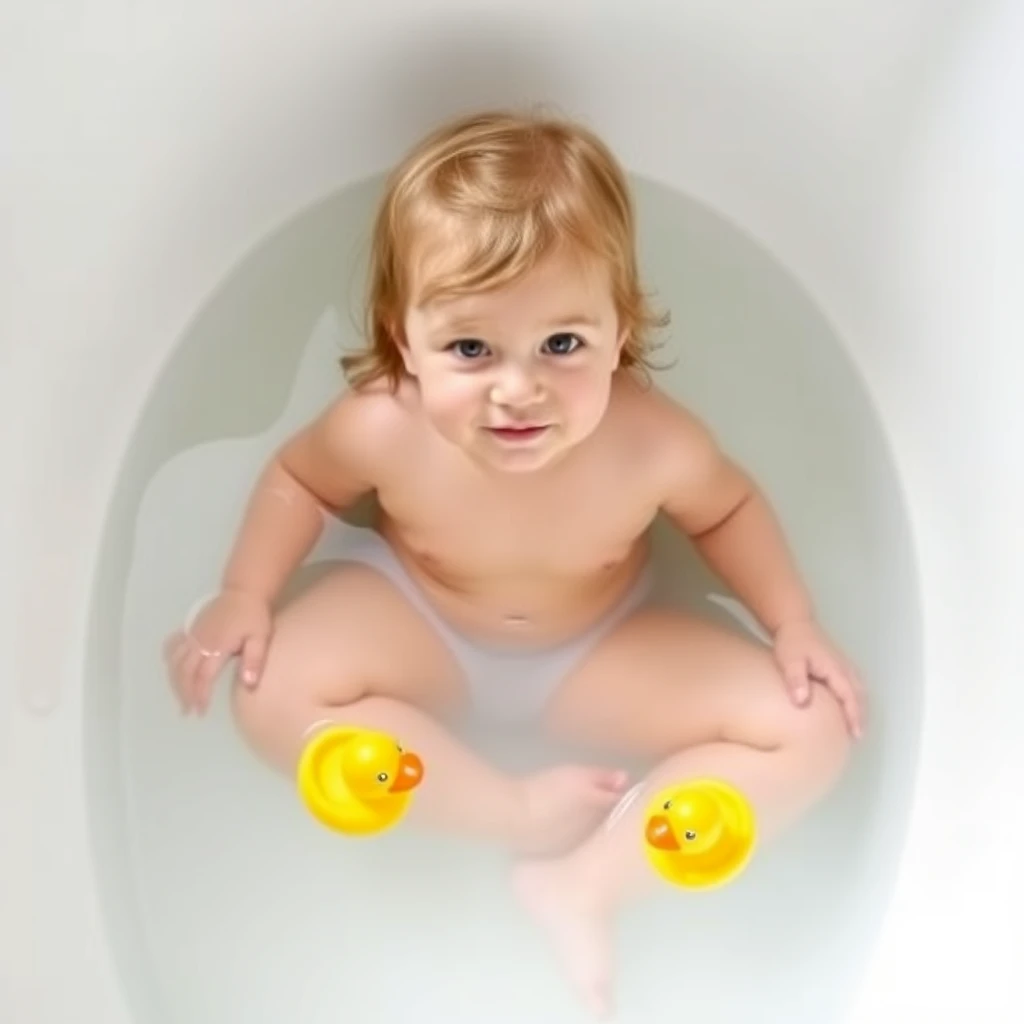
(450, 398)
(584, 393)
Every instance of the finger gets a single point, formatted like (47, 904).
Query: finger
(185, 676)
(201, 644)
(178, 688)
(794, 671)
(851, 709)
(857, 683)
(860, 701)
(609, 782)
(844, 690)
(172, 646)
(842, 680)
(176, 650)
(254, 655)
(179, 654)
(863, 709)
(206, 672)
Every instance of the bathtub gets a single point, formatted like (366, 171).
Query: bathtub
(873, 150)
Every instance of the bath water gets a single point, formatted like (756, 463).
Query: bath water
(226, 902)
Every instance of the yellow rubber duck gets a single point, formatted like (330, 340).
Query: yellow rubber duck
(357, 781)
(699, 834)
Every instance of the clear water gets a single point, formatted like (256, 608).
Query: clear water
(225, 902)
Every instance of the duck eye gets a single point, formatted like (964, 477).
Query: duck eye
(691, 835)
(666, 805)
(382, 777)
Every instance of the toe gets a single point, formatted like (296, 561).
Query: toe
(609, 784)
(599, 1004)
(596, 993)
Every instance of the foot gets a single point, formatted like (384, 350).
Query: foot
(577, 926)
(560, 806)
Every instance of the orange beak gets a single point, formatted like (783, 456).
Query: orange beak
(660, 835)
(410, 773)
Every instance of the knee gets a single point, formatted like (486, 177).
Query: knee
(254, 709)
(269, 720)
(819, 735)
(250, 706)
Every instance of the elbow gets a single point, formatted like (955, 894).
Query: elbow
(730, 510)
(282, 482)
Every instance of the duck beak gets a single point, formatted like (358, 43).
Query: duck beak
(410, 773)
(660, 835)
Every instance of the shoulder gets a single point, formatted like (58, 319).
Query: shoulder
(355, 436)
(651, 421)
(676, 456)
(373, 406)
(371, 421)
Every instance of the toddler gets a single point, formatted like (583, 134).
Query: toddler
(504, 417)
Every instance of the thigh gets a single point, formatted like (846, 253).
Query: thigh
(351, 635)
(663, 681)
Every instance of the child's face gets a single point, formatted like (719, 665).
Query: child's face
(518, 376)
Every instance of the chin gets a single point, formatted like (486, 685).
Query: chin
(526, 460)
(531, 463)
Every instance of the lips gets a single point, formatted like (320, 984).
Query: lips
(518, 433)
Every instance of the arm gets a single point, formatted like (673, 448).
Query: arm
(736, 532)
(324, 468)
(732, 525)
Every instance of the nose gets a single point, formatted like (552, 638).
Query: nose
(516, 388)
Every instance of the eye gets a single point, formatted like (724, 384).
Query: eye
(468, 348)
(690, 835)
(382, 777)
(666, 805)
(562, 344)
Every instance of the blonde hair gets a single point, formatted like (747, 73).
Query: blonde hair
(496, 192)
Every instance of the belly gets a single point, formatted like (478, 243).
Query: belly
(534, 610)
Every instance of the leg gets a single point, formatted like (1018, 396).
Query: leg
(353, 649)
(702, 701)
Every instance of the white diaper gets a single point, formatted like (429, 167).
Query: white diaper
(506, 685)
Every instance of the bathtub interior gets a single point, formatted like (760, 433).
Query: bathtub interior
(225, 901)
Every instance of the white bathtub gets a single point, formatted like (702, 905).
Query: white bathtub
(875, 149)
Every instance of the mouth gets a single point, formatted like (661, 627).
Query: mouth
(519, 434)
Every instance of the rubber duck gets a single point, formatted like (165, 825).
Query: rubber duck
(357, 781)
(699, 834)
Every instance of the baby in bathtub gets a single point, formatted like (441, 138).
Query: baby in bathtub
(503, 415)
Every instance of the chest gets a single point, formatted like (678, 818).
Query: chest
(575, 523)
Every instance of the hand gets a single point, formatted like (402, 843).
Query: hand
(233, 623)
(806, 656)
